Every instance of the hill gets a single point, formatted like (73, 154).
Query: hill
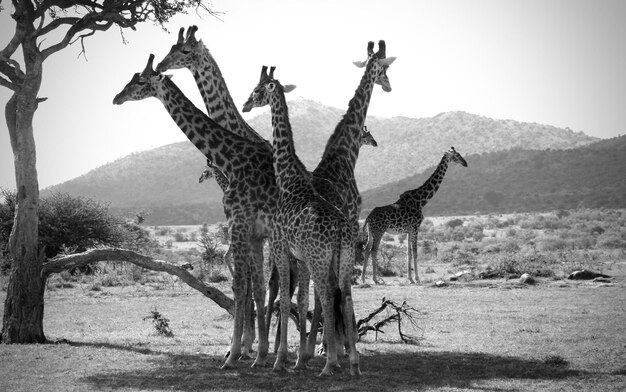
(406, 146)
(522, 180)
(164, 180)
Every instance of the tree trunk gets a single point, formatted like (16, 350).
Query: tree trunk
(23, 307)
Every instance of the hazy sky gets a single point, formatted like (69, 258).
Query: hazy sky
(557, 62)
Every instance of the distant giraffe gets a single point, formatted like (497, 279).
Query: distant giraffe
(404, 216)
(249, 202)
(307, 227)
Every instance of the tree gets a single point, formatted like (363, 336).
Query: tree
(37, 24)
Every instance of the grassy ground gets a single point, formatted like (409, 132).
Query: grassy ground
(482, 335)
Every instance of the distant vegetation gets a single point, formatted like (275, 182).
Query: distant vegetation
(164, 180)
(545, 245)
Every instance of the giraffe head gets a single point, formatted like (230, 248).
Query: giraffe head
(377, 63)
(142, 85)
(267, 86)
(453, 156)
(367, 138)
(207, 173)
(183, 53)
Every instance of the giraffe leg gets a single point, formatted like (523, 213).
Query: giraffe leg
(315, 325)
(329, 327)
(414, 255)
(271, 297)
(375, 244)
(282, 263)
(247, 337)
(345, 288)
(409, 257)
(304, 278)
(259, 299)
(239, 290)
(367, 251)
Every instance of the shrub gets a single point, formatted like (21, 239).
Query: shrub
(597, 230)
(217, 277)
(161, 324)
(180, 237)
(612, 241)
(73, 224)
(454, 223)
(551, 244)
(163, 231)
(516, 264)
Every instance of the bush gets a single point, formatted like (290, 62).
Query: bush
(612, 241)
(454, 223)
(516, 264)
(161, 324)
(217, 277)
(73, 224)
(180, 237)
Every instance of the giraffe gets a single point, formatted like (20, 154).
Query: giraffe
(404, 216)
(189, 52)
(327, 191)
(309, 228)
(210, 171)
(342, 149)
(249, 202)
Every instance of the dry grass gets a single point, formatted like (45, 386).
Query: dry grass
(486, 336)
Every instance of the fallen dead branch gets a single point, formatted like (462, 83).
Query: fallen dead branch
(400, 314)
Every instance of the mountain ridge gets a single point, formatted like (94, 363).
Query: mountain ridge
(166, 177)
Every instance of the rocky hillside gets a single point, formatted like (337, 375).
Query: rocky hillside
(164, 180)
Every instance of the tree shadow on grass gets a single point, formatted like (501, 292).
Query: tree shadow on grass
(381, 372)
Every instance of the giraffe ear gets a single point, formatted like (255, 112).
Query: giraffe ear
(360, 64)
(387, 61)
(289, 88)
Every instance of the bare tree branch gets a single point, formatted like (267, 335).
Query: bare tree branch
(11, 47)
(77, 28)
(56, 23)
(63, 263)
(7, 84)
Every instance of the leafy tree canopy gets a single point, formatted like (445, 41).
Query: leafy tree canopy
(75, 20)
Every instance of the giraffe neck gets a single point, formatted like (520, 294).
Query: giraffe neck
(424, 193)
(287, 165)
(221, 179)
(213, 141)
(217, 99)
(345, 142)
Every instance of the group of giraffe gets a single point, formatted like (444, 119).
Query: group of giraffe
(309, 218)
